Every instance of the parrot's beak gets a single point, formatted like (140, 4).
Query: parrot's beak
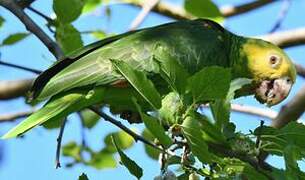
(273, 91)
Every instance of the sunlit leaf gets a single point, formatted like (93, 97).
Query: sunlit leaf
(102, 160)
(68, 10)
(221, 107)
(196, 141)
(150, 151)
(155, 128)
(91, 5)
(99, 34)
(14, 38)
(132, 166)
(123, 140)
(73, 150)
(175, 75)
(140, 82)
(210, 83)
(203, 9)
(90, 118)
(68, 38)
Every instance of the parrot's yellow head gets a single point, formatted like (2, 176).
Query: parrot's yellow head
(272, 70)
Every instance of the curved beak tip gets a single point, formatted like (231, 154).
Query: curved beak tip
(273, 92)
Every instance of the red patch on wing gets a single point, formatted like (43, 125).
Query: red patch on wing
(120, 84)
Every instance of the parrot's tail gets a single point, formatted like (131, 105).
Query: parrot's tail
(58, 107)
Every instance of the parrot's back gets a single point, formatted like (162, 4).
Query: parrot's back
(193, 44)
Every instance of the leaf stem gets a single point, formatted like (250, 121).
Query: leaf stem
(59, 138)
(117, 123)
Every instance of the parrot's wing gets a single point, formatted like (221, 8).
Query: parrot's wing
(43, 78)
(58, 107)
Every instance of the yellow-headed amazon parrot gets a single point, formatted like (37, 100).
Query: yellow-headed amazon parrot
(94, 74)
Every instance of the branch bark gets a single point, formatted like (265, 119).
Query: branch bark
(14, 116)
(179, 13)
(14, 88)
(33, 27)
(146, 8)
(292, 111)
(286, 39)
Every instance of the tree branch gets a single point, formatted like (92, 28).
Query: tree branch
(14, 116)
(292, 111)
(33, 27)
(146, 8)
(25, 3)
(179, 13)
(229, 11)
(35, 71)
(117, 123)
(14, 88)
(287, 38)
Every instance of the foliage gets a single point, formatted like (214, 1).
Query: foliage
(200, 146)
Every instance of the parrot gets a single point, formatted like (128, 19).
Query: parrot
(88, 77)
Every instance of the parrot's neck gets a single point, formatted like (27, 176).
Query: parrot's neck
(239, 64)
(238, 58)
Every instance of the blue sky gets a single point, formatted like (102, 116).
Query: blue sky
(33, 156)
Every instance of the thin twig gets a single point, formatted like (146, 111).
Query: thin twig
(83, 135)
(59, 139)
(33, 27)
(285, 6)
(35, 71)
(14, 116)
(48, 19)
(146, 8)
(117, 123)
(25, 3)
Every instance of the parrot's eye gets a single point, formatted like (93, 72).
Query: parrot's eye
(274, 60)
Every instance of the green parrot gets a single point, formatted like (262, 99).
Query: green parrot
(89, 77)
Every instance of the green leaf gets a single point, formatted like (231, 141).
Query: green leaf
(203, 9)
(221, 107)
(210, 83)
(91, 5)
(56, 123)
(196, 141)
(171, 109)
(14, 38)
(276, 140)
(132, 167)
(102, 160)
(99, 34)
(210, 132)
(154, 126)
(68, 38)
(71, 149)
(2, 20)
(140, 82)
(174, 74)
(291, 156)
(123, 140)
(83, 176)
(90, 118)
(67, 10)
(150, 151)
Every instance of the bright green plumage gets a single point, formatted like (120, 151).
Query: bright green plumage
(86, 78)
